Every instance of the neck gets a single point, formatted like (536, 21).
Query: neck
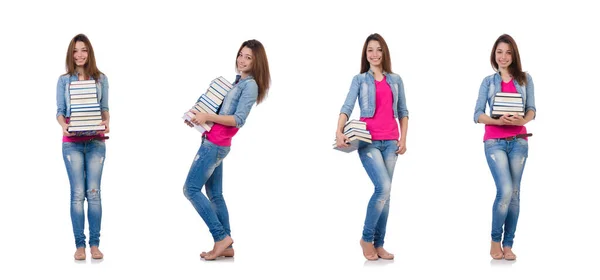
(80, 72)
(505, 74)
(244, 75)
(377, 70)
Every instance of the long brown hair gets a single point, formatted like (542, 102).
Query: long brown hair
(514, 69)
(260, 67)
(386, 62)
(90, 65)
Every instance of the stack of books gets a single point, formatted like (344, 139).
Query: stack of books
(356, 131)
(210, 101)
(507, 103)
(86, 117)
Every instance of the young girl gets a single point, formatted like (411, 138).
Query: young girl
(83, 155)
(381, 99)
(250, 86)
(505, 140)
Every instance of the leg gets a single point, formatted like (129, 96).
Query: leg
(94, 164)
(389, 159)
(373, 162)
(202, 168)
(517, 159)
(214, 191)
(74, 162)
(497, 158)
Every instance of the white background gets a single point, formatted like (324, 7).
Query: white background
(297, 206)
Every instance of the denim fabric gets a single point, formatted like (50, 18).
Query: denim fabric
(492, 85)
(506, 160)
(363, 89)
(207, 170)
(240, 99)
(378, 159)
(63, 98)
(84, 162)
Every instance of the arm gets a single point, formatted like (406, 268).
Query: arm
(104, 103)
(247, 99)
(403, 130)
(480, 116)
(61, 106)
(340, 138)
(402, 107)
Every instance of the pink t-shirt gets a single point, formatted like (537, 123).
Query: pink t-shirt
(502, 131)
(383, 125)
(80, 138)
(221, 135)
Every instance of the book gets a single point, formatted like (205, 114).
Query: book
(356, 131)
(209, 102)
(86, 115)
(507, 103)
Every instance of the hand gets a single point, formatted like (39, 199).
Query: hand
(199, 117)
(401, 146)
(341, 140)
(65, 130)
(105, 123)
(507, 119)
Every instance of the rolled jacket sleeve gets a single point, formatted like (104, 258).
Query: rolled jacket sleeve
(351, 97)
(61, 103)
(247, 99)
(481, 99)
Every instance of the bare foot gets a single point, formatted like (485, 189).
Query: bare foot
(80, 254)
(368, 250)
(382, 253)
(227, 253)
(496, 251)
(509, 255)
(96, 254)
(219, 248)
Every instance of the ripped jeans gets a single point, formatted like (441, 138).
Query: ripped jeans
(207, 170)
(506, 160)
(84, 162)
(378, 159)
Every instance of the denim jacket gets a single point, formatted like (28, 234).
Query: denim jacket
(63, 98)
(492, 85)
(239, 99)
(363, 88)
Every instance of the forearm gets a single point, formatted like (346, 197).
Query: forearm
(227, 120)
(106, 116)
(403, 127)
(341, 122)
(61, 120)
(485, 119)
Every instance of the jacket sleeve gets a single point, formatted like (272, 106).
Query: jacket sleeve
(61, 104)
(402, 108)
(104, 100)
(530, 102)
(247, 99)
(481, 99)
(351, 97)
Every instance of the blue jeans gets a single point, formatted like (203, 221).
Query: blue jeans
(378, 159)
(84, 162)
(207, 170)
(506, 160)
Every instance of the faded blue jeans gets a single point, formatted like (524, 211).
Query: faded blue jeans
(378, 159)
(84, 162)
(207, 170)
(506, 160)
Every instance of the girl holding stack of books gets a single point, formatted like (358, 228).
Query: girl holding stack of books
(505, 139)
(83, 155)
(380, 94)
(250, 86)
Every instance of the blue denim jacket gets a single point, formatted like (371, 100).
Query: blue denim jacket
(363, 88)
(492, 85)
(239, 100)
(63, 99)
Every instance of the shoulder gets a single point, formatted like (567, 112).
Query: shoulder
(528, 77)
(395, 78)
(490, 79)
(359, 77)
(102, 78)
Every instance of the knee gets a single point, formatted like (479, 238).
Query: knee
(77, 195)
(383, 192)
(93, 195)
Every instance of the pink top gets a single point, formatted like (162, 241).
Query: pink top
(501, 131)
(383, 125)
(221, 135)
(80, 138)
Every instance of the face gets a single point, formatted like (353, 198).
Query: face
(80, 54)
(503, 55)
(245, 60)
(374, 53)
